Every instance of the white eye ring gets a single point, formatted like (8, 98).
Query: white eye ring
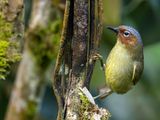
(126, 33)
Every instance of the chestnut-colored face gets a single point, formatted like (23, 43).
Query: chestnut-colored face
(126, 37)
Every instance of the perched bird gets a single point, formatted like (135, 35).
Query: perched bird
(124, 64)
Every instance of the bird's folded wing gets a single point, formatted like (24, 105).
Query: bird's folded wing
(137, 71)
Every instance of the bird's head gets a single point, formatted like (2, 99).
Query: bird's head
(127, 35)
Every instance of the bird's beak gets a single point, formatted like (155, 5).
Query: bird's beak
(113, 29)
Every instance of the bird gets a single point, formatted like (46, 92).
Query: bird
(125, 62)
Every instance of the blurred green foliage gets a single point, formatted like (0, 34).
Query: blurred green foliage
(44, 42)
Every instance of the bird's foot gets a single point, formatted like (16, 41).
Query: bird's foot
(96, 56)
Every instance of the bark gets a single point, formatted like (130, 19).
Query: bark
(79, 41)
(31, 82)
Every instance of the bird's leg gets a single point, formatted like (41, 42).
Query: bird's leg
(104, 92)
(96, 56)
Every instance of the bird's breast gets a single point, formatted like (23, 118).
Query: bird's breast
(119, 69)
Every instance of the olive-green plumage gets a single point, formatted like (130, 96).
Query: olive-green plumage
(124, 64)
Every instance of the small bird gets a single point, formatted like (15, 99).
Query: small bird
(124, 64)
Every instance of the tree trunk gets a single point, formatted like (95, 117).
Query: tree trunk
(79, 41)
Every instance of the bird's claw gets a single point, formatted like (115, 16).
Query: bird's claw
(96, 56)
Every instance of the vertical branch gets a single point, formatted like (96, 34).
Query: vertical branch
(79, 58)
(62, 42)
(80, 36)
(73, 69)
(11, 37)
(11, 33)
(57, 82)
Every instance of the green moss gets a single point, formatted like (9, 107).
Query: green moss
(5, 28)
(3, 60)
(87, 109)
(85, 106)
(8, 49)
(85, 102)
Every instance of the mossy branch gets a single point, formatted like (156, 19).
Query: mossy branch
(11, 34)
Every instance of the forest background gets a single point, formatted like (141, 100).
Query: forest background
(142, 102)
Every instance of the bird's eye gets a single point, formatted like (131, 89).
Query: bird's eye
(126, 33)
